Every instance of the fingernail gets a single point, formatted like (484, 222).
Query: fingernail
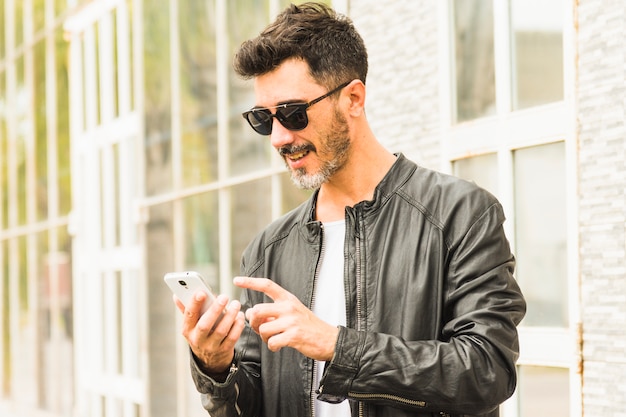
(222, 299)
(237, 280)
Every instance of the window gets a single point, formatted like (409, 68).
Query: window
(482, 169)
(532, 72)
(211, 182)
(474, 64)
(520, 155)
(537, 52)
(541, 233)
(36, 312)
(543, 391)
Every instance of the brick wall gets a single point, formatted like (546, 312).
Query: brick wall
(402, 86)
(602, 206)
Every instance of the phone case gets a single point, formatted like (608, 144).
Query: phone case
(186, 284)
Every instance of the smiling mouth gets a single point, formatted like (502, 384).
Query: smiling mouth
(296, 153)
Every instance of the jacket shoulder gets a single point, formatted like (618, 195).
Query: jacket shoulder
(450, 203)
(275, 232)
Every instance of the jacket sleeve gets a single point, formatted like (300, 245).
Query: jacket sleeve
(240, 394)
(470, 367)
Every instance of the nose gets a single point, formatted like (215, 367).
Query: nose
(280, 135)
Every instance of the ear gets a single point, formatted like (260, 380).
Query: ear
(356, 93)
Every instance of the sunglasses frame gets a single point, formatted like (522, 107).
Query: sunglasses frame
(264, 116)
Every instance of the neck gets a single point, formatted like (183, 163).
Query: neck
(355, 182)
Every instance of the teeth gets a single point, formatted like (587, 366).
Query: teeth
(297, 155)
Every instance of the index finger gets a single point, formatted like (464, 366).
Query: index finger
(264, 285)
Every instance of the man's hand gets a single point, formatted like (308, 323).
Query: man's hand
(214, 347)
(287, 322)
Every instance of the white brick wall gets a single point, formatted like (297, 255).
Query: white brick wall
(602, 204)
(402, 85)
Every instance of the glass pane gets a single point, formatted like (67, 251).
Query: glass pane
(22, 113)
(252, 211)
(63, 322)
(63, 124)
(157, 97)
(543, 392)
(104, 202)
(19, 23)
(540, 227)
(123, 56)
(5, 320)
(482, 169)
(128, 60)
(2, 39)
(537, 52)
(163, 329)
(55, 323)
(41, 131)
(114, 66)
(248, 150)
(198, 91)
(39, 14)
(117, 214)
(4, 157)
(25, 386)
(201, 225)
(59, 6)
(474, 61)
(45, 289)
(129, 325)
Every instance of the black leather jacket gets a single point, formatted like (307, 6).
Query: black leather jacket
(432, 307)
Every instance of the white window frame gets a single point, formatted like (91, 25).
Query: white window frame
(502, 134)
(104, 221)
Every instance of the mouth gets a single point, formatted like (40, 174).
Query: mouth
(295, 153)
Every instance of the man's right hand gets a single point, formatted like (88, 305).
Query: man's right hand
(214, 347)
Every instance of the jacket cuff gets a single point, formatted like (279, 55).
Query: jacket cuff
(205, 384)
(342, 369)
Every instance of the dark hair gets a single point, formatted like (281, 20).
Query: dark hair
(327, 41)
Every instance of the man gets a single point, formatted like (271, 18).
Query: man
(389, 293)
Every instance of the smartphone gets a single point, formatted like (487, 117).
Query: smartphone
(186, 284)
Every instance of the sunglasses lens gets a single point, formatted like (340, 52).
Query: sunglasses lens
(293, 116)
(260, 120)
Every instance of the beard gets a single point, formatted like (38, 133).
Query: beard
(335, 143)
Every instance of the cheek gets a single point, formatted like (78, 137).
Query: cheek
(337, 139)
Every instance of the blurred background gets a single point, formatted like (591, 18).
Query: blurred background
(123, 156)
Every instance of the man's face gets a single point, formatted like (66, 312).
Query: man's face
(318, 151)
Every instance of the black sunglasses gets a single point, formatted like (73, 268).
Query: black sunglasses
(291, 115)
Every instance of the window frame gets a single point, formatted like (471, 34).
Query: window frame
(502, 134)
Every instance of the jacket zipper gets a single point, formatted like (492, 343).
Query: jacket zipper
(361, 326)
(315, 278)
(359, 289)
(390, 397)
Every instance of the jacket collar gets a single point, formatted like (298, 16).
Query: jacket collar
(398, 174)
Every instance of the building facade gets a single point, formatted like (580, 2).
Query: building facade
(123, 156)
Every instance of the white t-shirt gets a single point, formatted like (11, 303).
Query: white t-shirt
(330, 302)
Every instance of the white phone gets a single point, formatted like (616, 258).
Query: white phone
(186, 284)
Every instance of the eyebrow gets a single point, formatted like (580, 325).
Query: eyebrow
(281, 103)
